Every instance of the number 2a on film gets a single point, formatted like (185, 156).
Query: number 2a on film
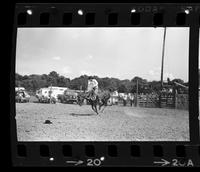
(182, 163)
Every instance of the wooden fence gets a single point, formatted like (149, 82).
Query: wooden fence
(178, 101)
(148, 100)
(182, 101)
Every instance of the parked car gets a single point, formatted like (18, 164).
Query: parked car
(22, 96)
(44, 95)
(57, 91)
(69, 96)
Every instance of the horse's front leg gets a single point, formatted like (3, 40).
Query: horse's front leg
(100, 105)
(93, 108)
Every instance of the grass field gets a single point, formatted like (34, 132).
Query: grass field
(116, 123)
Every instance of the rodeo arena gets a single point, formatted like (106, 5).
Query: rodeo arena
(63, 114)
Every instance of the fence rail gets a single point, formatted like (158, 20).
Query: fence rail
(182, 101)
(178, 101)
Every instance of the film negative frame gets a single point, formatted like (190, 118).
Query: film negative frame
(78, 154)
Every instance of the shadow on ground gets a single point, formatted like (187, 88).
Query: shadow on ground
(81, 114)
(36, 101)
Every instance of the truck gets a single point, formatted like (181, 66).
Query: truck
(44, 96)
(55, 91)
(69, 96)
(49, 94)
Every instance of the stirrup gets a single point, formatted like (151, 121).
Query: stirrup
(93, 97)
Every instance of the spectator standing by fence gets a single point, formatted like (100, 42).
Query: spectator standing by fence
(131, 98)
(125, 99)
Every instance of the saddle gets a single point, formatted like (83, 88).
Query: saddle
(92, 96)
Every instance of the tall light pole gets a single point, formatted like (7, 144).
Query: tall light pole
(162, 66)
(163, 54)
(137, 93)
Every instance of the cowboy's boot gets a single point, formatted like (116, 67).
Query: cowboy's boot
(93, 96)
(88, 95)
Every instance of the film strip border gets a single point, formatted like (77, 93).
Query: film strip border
(107, 15)
(107, 154)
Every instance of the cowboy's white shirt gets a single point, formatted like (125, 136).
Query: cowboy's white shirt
(92, 84)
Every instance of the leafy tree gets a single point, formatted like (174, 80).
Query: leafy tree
(79, 83)
(44, 77)
(63, 82)
(137, 78)
(25, 77)
(18, 83)
(18, 77)
(53, 74)
(122, 89)
(33, 82)
(154, 86)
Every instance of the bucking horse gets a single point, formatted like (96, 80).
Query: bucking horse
(97, 101)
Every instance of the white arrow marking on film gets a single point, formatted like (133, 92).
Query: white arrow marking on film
(75, 162)
(163, 162)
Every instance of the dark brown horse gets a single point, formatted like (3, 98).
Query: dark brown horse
(94, 100)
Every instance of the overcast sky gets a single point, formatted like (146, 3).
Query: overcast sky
(106, 52)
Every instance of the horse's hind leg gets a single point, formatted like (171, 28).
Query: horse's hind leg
(100, 106)
(95, 107)
(105, 104)
(96, 110)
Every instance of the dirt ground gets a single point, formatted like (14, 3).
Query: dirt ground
(117, 123)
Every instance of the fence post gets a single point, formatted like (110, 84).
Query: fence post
(174, 98)
(176, 101)
(136, 93)
(160, 100)
(147, 100)
(136, 100)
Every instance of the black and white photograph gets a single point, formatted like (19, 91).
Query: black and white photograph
(102, 84)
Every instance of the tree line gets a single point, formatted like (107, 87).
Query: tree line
(34, 82)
